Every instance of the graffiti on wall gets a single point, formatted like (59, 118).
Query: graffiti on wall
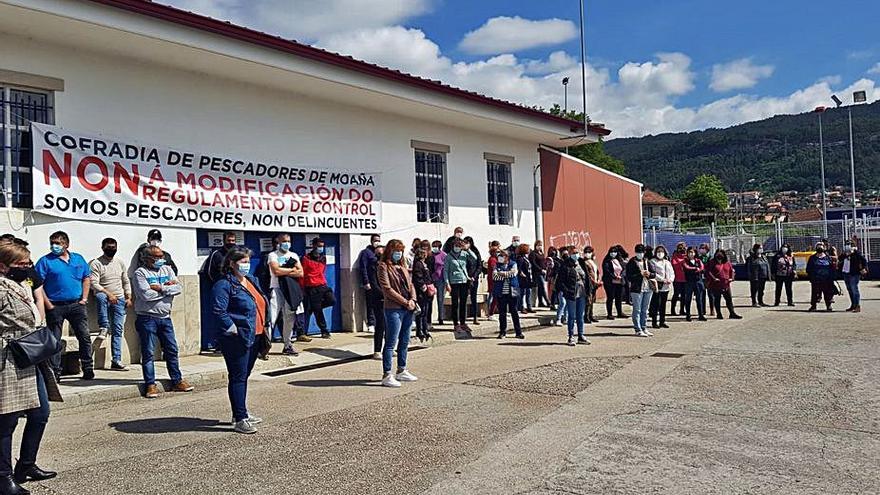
(578, 239)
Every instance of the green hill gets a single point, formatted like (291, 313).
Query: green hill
(780, 153)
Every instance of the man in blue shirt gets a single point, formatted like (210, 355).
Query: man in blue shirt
(66, 283)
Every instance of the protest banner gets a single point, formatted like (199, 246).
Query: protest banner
(85, 177)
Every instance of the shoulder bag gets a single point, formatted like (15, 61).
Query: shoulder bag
(33, 348)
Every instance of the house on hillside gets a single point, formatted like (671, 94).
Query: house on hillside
(658, 211)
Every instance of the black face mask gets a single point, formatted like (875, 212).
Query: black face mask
(110, 253)
(18, 274)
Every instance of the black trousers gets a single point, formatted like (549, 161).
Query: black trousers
(677, 297)
(37, 418)
(542, 299)
(822, 289)
(423, 321)
(370, 310)
(508, 304)
(472, 293)
(377, 304)
(780, 283)
(459, 303)
(313, 297)
(728, 300)
(614, 296)
(757, 290)
(75, 314)
(658, 307)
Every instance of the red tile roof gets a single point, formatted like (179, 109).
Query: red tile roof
(807, 215)
(247, 35)
(650, 197)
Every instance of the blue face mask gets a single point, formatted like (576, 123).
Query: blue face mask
(285, 246)
(57, 249)
(575, 256)
(158, 264)
(396, 256)
(244, 268)
(319, 250)
(456, 250)
(502, 260)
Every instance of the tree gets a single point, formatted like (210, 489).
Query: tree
(593, 152)
(706, 193)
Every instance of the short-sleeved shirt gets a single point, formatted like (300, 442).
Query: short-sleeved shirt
(280, 257)
(62, 280)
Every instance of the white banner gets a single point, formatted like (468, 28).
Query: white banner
(87, 177)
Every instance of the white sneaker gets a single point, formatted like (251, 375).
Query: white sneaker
(647, 332)
(389, 381)
(406, 376)
(246, 427)
(492, 318)
(553, 322)
(377, 356)
(560, 324)
(251, 419)
(641, 334)
(371, 329)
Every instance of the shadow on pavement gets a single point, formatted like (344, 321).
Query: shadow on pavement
(168, 425)
(334, 353)
(531, 344)
(75, 381)
(336, 383)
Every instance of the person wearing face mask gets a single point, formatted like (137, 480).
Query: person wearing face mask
(241, 311)
(513, 248)
(400, 305)
(574, 285)
(821, 270)
(439, 256)
(719, 276)
(539, 272)
(458, 234)
(784, 274)
(759, 272)
(411, 254)
(489, 264)
(155, 287)
(592, 269)
(475, 271)
(526, 278)
(694, 288)
(853, 266)
(506, 292)
(424, 286)
(704, 256)
(678, 259)
(456, 279)
(612, 280)
(23, 391)
(561, 312)
(154, 238)
(285, 293)
(639, 275)
(367, 263)
(66, 281)
(317, 293)
(664, 276)
(112, 288)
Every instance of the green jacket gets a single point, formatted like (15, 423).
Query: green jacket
(455, 268)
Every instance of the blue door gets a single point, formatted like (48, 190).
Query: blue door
(259, 242)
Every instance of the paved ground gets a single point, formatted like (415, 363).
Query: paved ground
(781, 402)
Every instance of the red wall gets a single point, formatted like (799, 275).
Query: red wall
(582, 205)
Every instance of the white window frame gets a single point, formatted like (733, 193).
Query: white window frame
(7, 127)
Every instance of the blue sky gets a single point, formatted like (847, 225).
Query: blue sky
(655, 66)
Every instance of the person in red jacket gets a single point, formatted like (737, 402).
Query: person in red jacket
(719, 275)
(678, 285)
(316, 294)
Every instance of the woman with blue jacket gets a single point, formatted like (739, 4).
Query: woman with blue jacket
(505, 290)
(242, 316)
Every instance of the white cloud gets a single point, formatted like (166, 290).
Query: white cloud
(639, 98)
(875, 69)
(513, 34)
(309, 20)
(738, 74)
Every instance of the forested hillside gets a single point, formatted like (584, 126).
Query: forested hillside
(780, 153)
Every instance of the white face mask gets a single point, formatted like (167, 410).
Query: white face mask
(661, 255)
(640, 255)
(156, 242)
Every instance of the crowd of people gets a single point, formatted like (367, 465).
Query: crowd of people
(402, 287)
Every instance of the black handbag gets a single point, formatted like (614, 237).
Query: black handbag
(34, 348)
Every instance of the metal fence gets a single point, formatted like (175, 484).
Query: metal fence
(738, 239)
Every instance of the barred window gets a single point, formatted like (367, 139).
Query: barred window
(499, 193)
(18, 108)
(431, 201)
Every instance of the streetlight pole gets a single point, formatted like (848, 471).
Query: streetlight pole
(820, 110)
(852, 167)
(584, 71)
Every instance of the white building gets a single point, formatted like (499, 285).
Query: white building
(154, 74)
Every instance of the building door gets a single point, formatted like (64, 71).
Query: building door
(259, 242)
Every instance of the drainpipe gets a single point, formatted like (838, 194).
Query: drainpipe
(537, 198)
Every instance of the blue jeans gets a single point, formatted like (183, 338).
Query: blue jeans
(641, 301)
(526, 299)
(852, 286)
(37, 418)
(116, 312)
(560, 308)
(397, 328)
(149, 328)
(239, 364)
(575, 309)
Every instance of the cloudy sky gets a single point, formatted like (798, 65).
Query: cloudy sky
(653, 66)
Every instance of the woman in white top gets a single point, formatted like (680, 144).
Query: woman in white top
(662, 268)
